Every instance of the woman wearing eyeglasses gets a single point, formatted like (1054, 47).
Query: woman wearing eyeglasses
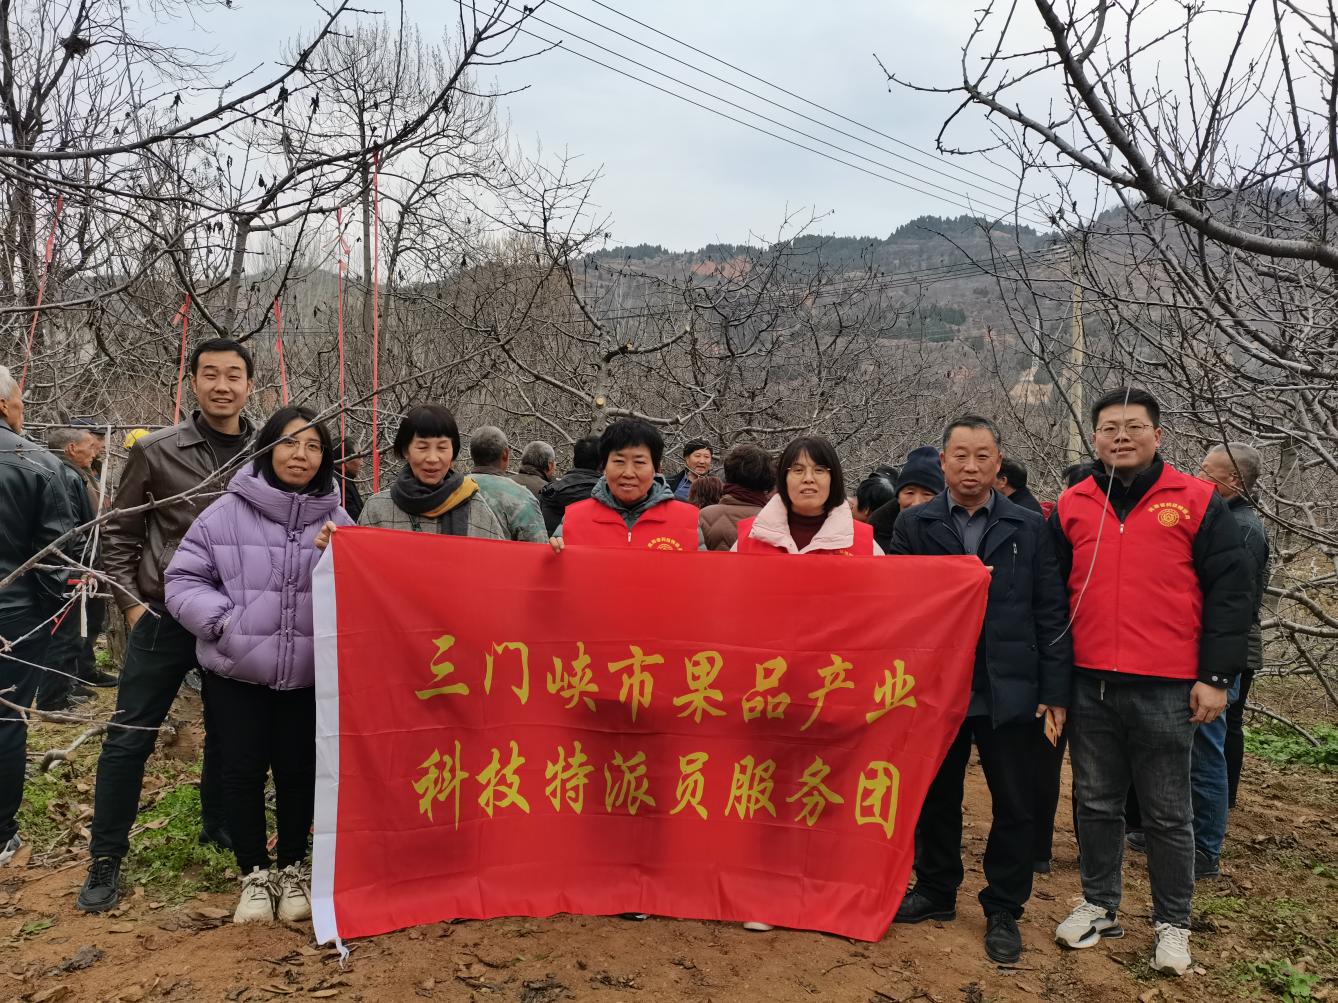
(808, 513)
(241, 583)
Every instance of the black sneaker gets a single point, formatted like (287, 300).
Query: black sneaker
(1040, 867)
(1136, 840)
(101, 679)
(917, 907)
(217, 837)
(1002, 941)
(1205, 866)
(100, 892)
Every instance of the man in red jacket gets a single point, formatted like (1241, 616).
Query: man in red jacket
(1159, 610)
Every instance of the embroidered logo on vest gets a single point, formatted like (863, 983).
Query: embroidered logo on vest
(664, 543)
(1169, 513)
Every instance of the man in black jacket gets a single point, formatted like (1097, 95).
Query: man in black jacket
(1012, 484)
(36, 513)
(1022, 673)
(573, 486)
(1233, 470)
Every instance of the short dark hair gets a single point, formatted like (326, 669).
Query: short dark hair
(1076, 473)
(874, 492)
(585, 454)
(221, 345)
(749, 466)
(1015, 472)
(1125, 396)
(627, 433)
(348, 449)
(973, 421)
(272, 431)
(706, 490)
(823, 453)
(426, 421)
(692, 445)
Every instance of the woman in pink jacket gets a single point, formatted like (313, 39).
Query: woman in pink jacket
(808, 513)
(241, 583)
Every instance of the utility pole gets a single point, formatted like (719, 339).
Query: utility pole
(1077, 354)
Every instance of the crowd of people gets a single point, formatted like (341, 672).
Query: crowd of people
(1122, 619)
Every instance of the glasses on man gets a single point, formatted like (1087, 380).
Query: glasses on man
(1133, 429)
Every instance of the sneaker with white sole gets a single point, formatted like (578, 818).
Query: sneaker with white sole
(753, 926)
(12, 847)
(1171, 951)
(1087, 925)
(294, 893)
(257, 902)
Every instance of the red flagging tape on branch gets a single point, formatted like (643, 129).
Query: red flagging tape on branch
(278, 347)
(183, 318)
(376, 312)
(41, 289)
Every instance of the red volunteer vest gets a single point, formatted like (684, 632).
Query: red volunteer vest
(862, 547)
(1134, 597)
(670, 525)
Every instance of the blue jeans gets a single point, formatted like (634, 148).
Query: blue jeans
(1133, 732)
(1208, 782)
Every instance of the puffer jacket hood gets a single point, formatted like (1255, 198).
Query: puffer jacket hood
(241, 581)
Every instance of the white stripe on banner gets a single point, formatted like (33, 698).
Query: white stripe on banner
(326, 618)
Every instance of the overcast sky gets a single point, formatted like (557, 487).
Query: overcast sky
(678, 175)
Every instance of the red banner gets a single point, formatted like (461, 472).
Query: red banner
(507, 731)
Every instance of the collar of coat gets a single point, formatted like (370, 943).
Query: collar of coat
(772, 525)
(1003, 521)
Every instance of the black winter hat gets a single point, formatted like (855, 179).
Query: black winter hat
(922, 468)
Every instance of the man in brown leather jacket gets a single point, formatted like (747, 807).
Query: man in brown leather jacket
(176, 472)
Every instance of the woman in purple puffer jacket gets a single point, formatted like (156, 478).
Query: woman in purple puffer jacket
(241, 583)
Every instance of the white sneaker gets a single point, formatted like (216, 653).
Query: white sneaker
(1086, 925)
(10, 848)
(294, 893)
(756, 927)
(1171, 954)
(257, 902)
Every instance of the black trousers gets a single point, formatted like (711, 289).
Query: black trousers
(1049, 765)
(262, 731)
(62, 654)
(1008, 757)
(157, 657)
(21, 679)
(97, 619)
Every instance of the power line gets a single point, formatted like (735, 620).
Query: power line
(1000, 189)
(756, 128)
(788, 93)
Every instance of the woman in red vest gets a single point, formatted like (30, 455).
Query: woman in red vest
(631, 505)
(808, 513)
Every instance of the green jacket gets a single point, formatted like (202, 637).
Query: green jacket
(515, 506)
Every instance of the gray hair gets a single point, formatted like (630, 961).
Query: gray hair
(1249, 461)
(8, 385)
(538, 454)
(487, 445)
(973, 421)
(58, 438)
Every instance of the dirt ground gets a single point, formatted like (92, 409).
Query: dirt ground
(1272, 907)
